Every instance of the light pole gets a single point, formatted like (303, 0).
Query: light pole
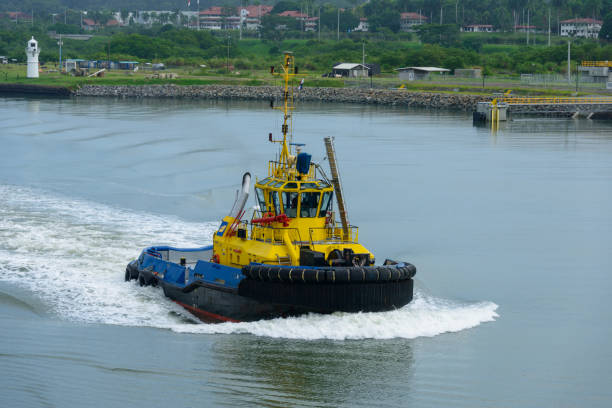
(319, 24)
(228, 49)
(60, 43)
(569, 72)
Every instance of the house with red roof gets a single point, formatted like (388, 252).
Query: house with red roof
(89, 24)
(363, 25)
(17, 16)
(230, 18)
(525, 28)
(408, 21)
(581, 27)
(477, 28)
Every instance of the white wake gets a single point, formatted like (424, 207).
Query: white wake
(71, 254)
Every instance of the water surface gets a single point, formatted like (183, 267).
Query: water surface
(511, 234)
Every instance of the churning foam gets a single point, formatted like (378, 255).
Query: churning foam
(72, 255)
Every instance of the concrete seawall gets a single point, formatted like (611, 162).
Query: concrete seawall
(398, 97)
(32, 89)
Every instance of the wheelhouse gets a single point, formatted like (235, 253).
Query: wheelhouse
(295, 199)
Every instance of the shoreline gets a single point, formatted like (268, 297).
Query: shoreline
(393, 97)
(364, 96)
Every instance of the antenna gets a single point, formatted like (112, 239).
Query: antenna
(289, 71)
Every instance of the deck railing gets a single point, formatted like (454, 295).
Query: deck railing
(596, 63)
(555, 100)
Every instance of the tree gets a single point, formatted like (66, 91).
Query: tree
(285, 5)
(443, 34)
(606, 28)
(275, 27)
(382, 14)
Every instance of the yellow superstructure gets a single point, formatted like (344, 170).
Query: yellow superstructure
(295, 210)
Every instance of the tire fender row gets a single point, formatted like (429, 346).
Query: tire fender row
(344, 274)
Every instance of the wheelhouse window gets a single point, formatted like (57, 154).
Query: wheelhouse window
(260, 199)
(309, 185)
(308, 204)
(290, 203)
(326, 203)
(274, 201)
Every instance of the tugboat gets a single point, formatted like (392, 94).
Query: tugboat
(290, 258)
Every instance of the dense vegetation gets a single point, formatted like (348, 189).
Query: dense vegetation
(432, 44)
(496, 53)
(503, 14)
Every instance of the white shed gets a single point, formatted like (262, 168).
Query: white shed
(350, 70)
(415, 73)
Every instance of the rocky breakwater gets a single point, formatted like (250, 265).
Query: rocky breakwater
(398, 97)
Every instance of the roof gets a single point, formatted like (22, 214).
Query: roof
(19, 14)
(212, 11)
(583, 21)
(112, 23)
(348, 65)
(479, 25)
(363, 19)
(89, 22)
(425, 69)
(525, 26)
(129, 62)
(293, 13)
(256, 11)
(412, 16)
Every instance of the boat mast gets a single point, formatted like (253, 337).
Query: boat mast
(289, 71)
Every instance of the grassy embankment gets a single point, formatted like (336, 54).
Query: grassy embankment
(191, 76)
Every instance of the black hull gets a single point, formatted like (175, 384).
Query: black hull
(256, 299)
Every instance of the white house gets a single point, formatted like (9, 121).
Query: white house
(363, 25)
(581, 27)
(409, 20)
(477, 28)
(216, 18)
(525, 28)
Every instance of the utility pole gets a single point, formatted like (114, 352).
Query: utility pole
(319, 23)
(441, 10)
(338, 38)
(60, 43)
(228, 47)
(456, 7)
(363, 53)
(569, 72)
(198, 17)
(65, 15)
(549, 26)
(32, 17)
(527, 26)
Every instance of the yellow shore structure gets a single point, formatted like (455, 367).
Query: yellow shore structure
(295, 208)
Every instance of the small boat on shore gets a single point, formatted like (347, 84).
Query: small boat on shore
(290, 256)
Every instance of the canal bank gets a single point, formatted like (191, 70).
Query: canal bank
(393, 97)
(386, 97)
(397, 97)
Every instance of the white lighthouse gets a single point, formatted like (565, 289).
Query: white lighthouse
(32, 52)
